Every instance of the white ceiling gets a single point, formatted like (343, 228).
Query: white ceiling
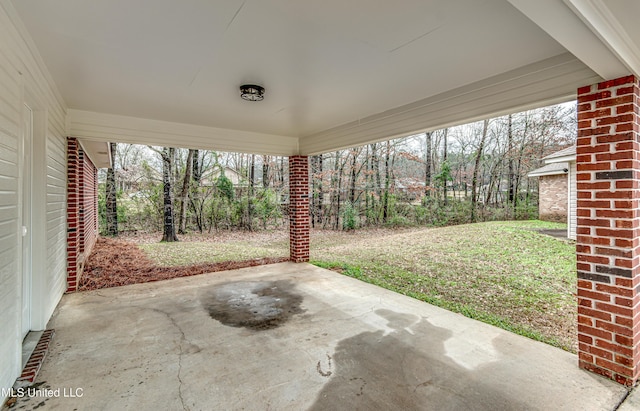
(323, 63)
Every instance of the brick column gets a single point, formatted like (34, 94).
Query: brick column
(299, 209)
(73, 212)
(608, 231)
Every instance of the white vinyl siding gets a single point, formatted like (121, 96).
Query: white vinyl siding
(10, 280)
(56, 220)
(24, 79)
(573, 205)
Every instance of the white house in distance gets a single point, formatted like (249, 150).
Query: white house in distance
(334, 75)
(557, 189)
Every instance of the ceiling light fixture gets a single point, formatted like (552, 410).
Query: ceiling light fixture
(252, 92)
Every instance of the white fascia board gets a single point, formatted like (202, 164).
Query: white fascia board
(602, 22)
(550, 81)
(564, 159)
(94, 126)
(561, 22)
(547, 173)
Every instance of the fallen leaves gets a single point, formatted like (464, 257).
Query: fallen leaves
(114, 263)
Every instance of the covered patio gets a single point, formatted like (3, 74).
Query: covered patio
(337, 75)
(295, 337)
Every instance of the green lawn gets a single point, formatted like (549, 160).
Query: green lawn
(502, 273)
(194, 249)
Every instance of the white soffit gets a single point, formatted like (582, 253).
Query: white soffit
(323, 64)
(551, 81)
(590, 30)
(98, 151)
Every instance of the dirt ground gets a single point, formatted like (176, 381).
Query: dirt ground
(116, 262)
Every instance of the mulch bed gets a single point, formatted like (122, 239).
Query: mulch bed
(113, 263)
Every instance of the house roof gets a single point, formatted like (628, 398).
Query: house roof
(337, 74)
(564, 155)
(550, 170)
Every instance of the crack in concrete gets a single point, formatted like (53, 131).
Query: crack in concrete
(183, 339)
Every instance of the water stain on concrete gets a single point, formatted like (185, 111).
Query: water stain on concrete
(381, 370)
(255, 305)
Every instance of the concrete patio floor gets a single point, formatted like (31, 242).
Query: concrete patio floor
(296, 337)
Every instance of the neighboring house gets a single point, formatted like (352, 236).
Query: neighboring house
(233, 175)
(557, 188)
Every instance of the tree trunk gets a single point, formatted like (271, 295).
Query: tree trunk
(376, 168)
(476, 168)
(265, 171)
(252, 182)
(352, 188)
(184, 195)
(444, 159)
(339, 191)
(511, 178)
(197, 166)
(427, 164)
(169, 232)
(387, 175)
(318, 197)
(111, 202)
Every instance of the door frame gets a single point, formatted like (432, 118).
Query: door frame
(26, 222)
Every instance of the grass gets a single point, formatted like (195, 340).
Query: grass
(503, 273)
(198, 250)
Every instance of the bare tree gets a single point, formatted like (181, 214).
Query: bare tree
(427, 163)
(169, 231)
(184, 194)
(111, 194)
(476, 168)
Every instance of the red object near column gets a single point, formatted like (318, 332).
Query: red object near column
(608, 230)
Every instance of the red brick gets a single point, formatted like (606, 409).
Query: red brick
(585, 338)
(614, 367)
(601, 148)
(583, 98)
(594, 166)
(600, 185)
(614, 328)
(595, 369)
(586, 115)
(594, 332)
(625, 127)
(594, 295)
(605, 232)
(599, 352)
(614, 309)
(584, 90)
(595, 313)
(613, 347)
(614, 138)
(623, 118)
(587, 285)
(616, 82)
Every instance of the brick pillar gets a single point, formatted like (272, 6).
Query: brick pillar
(608, 231)
(299, 209)
(73, 211)
(81, 202)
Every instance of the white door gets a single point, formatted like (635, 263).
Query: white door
(26, 220)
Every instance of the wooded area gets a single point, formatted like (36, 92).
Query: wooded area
(474, 172)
